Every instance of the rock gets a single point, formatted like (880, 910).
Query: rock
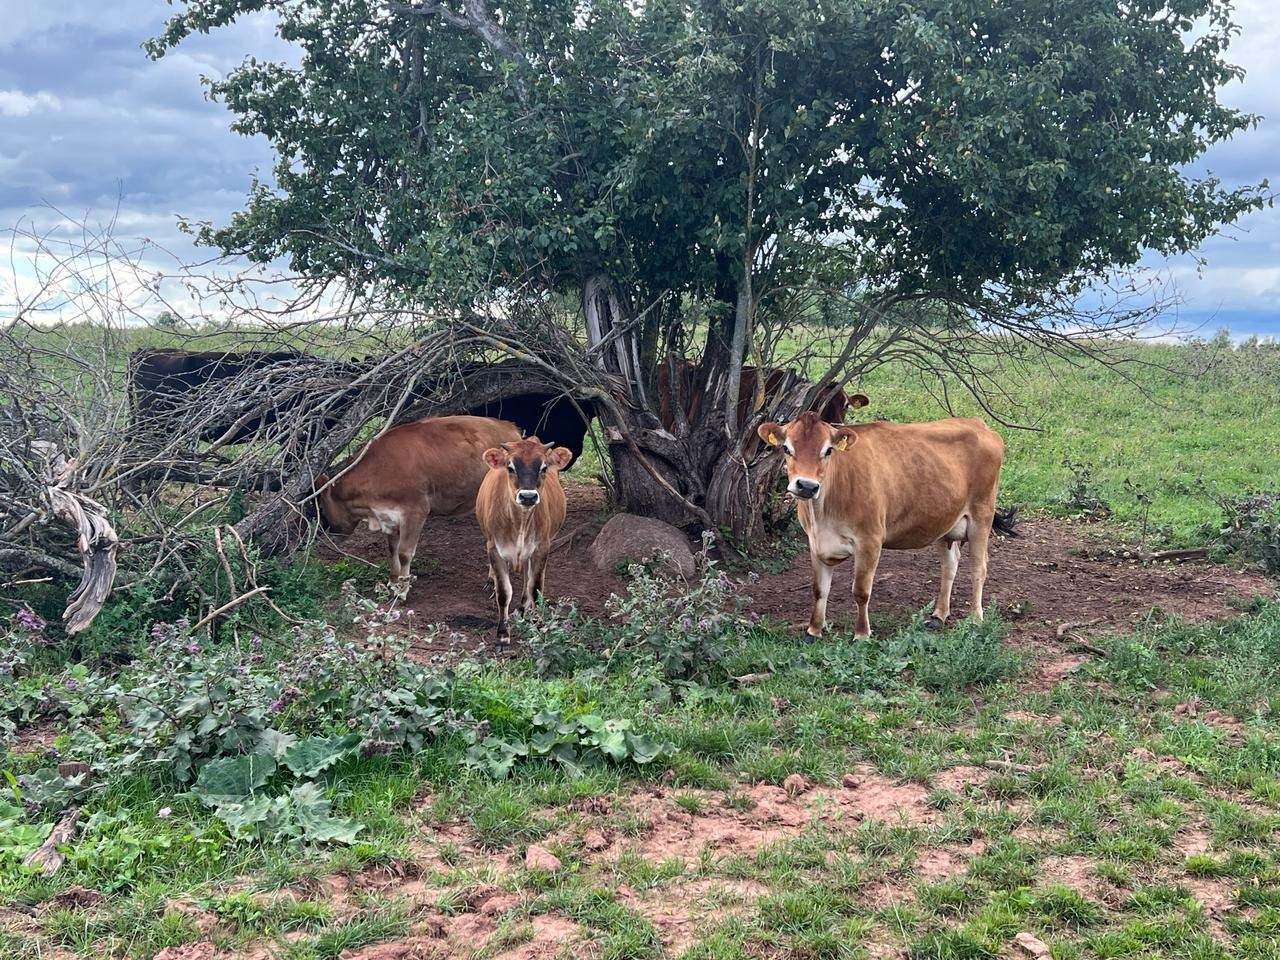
(795, 785)
(500, 903)
(627, 538)
(1033, 948)
(850, 782)
(595, 840)
(540, 858)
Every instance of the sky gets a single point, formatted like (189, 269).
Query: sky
(92, 129)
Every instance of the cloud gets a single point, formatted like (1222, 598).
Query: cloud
(90, 125)
(15, 103)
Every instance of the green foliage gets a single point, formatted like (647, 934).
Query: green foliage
(945, 661)
(586, 740)
(627, 137)
(685, 628)
(1081, 496)
(1229, 665)
(1251, 527)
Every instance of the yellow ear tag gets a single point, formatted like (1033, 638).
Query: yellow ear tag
(842, 443)
(773, 439)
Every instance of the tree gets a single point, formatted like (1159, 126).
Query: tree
(911, 178)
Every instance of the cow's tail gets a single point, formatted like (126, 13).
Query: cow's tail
(1003, 522)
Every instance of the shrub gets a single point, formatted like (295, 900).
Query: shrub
(685, 628)
(1251, 527)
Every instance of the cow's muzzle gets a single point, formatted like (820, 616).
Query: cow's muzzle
(527, 498)
(804, 488)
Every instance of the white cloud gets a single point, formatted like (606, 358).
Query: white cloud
(15, 103)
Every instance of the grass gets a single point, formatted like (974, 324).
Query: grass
(1131, 810)
(1078, 835)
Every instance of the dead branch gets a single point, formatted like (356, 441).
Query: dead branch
(47, 857)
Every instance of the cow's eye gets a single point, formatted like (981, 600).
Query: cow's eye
(512, 468)
(543, 468)
(827, 452)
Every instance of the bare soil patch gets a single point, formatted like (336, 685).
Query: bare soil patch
(1045, 577)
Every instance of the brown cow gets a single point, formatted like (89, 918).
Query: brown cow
(520, 508)
(428, 467)
(832, 404)
(866, 487)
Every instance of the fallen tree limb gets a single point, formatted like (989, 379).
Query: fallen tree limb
(1195, 553)
(47, 856)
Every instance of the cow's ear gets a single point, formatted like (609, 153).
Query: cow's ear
(559, 457)
(845, 438)
(770, 433)
(858, 399)
(496, 458)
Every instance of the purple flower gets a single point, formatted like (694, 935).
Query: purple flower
(182, 623)
(29, 620)
(193, 648)
(256, 641)
(71, 684)
(164, 812)
(276, 706)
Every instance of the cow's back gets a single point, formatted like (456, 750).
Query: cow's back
(436, 463)
(914, 479)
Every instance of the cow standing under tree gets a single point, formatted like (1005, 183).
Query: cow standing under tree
(521, 507)
(430, 467)
(866, 487)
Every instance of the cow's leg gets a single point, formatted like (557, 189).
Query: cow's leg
(821, 589)
(949, 558)
(534, 575)
(409, 533)
(979, 537)
(866, 558)
(501, 594)
(393, 551)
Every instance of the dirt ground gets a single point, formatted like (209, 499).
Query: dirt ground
(1055, 572)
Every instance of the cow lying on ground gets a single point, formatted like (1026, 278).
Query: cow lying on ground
(832, 404)
(521, 507)
(901, 486)
(430, 467)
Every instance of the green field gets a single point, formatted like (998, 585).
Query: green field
(711, 787)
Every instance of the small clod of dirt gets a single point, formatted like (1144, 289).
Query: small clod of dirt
(76, 897)
(540, 858)
(201, 950)
(957, 779)
(595, 841)
(795, 785)
(409, 948)
(549, 936)
(500, 903)
(204, 920)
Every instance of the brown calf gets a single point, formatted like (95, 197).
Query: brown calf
(898, 486)
(520, 507)
(428, 467)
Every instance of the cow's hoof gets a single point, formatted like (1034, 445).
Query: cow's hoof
(934, 623)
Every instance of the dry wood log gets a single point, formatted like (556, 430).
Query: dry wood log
(47, 856)
(96, 538)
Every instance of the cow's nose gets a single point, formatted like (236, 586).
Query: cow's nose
(806, 488)
(527, 498)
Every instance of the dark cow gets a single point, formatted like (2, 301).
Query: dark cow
(558, 419)
(166, 381)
